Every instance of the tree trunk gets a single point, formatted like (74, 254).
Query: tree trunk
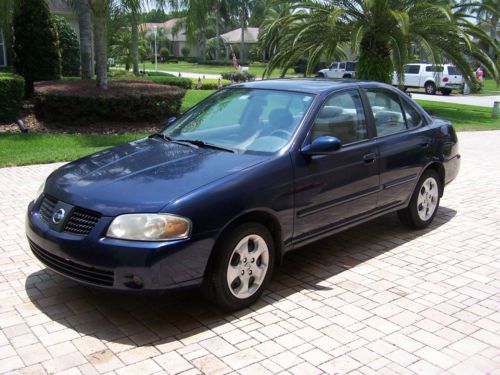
(85, 25)
(100, 50)
(374, 62)
(242, 44)
(217, 31)
(135, 41)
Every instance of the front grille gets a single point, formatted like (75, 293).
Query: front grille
(77, 271)
(81, 222)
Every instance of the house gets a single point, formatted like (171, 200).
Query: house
(250, 38)
(174, 32)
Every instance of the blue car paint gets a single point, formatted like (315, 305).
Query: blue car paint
(215, 188)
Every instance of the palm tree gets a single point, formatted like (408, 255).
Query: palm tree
(85, 25)
(488, 14)
(380, 31)
(100, 10)
(134, 8)
(6, 13)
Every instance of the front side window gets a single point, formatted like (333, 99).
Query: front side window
(341, 116)
(387, 112)
(243, 119)
(3, 58)
(334, 65)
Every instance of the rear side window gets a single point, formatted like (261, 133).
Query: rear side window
(413, 118)
(412, 69)
(342, 116)
(452, 71)
(351, 66)
(387, 112)
(342, 66)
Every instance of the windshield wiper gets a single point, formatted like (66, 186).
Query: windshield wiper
(203, 144)
(168, 139)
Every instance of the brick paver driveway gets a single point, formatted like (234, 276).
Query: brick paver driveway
(377, 298)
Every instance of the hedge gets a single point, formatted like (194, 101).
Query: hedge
(209, 84)
(185, 83)
(123, 100)
(159, 74)
(11, 95)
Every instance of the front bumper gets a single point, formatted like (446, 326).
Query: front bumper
(118, 264)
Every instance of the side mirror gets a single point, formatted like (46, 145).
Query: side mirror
(170, 121)
(323, 145)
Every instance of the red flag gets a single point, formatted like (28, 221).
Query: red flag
(235, 62)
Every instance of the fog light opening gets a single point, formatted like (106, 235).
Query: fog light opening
(138, 281)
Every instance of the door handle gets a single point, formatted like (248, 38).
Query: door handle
(369, 158)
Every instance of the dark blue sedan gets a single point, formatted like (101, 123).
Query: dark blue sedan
(250, 173)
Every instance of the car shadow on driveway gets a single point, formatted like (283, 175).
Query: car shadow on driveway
(136, 320)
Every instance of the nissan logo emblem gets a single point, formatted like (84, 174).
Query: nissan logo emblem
(58, 216)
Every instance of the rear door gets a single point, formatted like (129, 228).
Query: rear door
(331, 190)
(412, 75)
(403, 142)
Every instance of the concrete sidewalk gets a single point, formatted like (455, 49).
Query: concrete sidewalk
(481, 101)
(378, 298)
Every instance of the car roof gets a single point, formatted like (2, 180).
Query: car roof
(306, 85)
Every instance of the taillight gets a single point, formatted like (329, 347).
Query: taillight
(445, 79)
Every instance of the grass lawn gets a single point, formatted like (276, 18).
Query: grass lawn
(194, 96)
(490, 88)
(463, 117)
(37, 148)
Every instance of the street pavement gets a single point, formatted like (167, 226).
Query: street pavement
(377, 298)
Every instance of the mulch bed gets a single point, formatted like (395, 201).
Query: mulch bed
(34, 125)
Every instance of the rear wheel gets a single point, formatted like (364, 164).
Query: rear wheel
(446, 91)
(242, 266)
(424, 202)
(430, 88)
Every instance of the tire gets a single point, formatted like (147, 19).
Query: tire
(424, 202)
(236, 278)
(446, 92)
(430, 88)
(347, 76)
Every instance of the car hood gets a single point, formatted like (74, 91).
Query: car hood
(142, 176)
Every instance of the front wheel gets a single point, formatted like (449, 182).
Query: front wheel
(424, 202)
(241, 268)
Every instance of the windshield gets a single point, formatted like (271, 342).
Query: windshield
(243, 120)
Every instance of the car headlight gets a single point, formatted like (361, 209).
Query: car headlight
(149, 227)
(39, 191)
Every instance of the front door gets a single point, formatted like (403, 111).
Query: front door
(331, 190)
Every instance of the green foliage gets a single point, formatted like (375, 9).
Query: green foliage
(36, 50)
(11, 95)
(69, 47)
(255, 53)
(375, 68)
(159, 74)
(164, 54)
(185, 51)
(185, 83)
(124, 100)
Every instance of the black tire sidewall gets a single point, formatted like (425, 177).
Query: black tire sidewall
(224, 250)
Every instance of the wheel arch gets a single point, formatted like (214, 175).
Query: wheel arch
(438, 167)
(258, 216)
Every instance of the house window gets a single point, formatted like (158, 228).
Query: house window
(3, 58)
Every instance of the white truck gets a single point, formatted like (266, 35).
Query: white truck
(339, 69)
(432, 78)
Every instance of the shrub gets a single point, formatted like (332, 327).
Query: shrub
(238, 76)
(11, 95)
(185, 51)
(185, 83)
(209, 84)
(36, 51)
(124, 100)
(69, 47)
(164, 54)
